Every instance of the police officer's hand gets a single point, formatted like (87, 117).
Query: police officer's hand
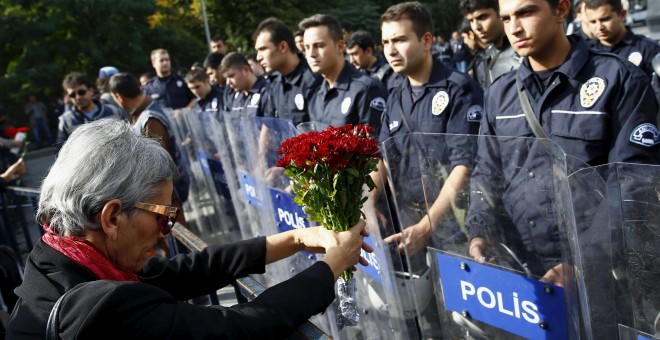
(478, 250)
(413, 238)
(554, 276)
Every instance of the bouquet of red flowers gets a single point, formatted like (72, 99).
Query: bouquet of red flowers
(328, 170)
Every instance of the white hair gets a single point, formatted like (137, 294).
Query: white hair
(101, 161)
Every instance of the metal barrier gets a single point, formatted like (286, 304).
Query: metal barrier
(17, 196)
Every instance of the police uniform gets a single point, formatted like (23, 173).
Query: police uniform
(635, 48)
(355, 99)
(71, 119)
(597, 108)
(250, 105)
(381, 71)
(491, 63)
(451, 103)
(169, 92)
(214, 101)
(289, 95)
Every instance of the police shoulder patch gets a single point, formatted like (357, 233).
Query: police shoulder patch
(378, 104)
(591, 91)
(646, 135)
(439, 103)
(475, 112)
(345, 105)
(635, 58)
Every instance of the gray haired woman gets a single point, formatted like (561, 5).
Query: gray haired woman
(104, 204)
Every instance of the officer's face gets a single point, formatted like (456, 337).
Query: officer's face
(486, 24)
(200, 88)
(606, 24)
(358, 57)
(219, 46)
(321, 51)
(237, 78)
(161, 63)
(268, 55)
(403, 49)
(534, 29)
(300, 44)
(216, 76)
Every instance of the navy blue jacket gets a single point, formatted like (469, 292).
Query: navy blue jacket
(597, 108)
(250, 105)
(635, 48)
(289, 95)
(451, 103)
(170, 91)
(355, 99)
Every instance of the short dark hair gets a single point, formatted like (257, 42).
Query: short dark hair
(464, 27)
(414, 11)
(233, 60)
(298, 33)
(347, 26)
(362, 39)
(593, 4)
(218, 38)
(196, 75)
(334, 29)
(125, 84)
(213, 60)
(278, 32)
(74, 79)
(469, 6)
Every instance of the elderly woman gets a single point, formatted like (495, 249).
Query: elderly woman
(104, 204)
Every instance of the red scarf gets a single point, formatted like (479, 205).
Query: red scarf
(85, 254)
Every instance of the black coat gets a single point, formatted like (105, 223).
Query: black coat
(151, 308)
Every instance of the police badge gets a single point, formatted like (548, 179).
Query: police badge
(635, 58)
(439, 103)
(591, 91)
(299, 101)
(345, 105)
(255, 99)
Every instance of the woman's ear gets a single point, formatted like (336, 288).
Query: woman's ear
(111, 217)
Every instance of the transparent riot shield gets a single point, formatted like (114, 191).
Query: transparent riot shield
(484, 224)
(616, 244)
(208, 210)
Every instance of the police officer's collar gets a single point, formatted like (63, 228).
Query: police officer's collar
(344, 78)
(376, 66)
(629, 38)
(296, 76)
(261, 82)
(438, 77)
(577, 57)
(215, 92)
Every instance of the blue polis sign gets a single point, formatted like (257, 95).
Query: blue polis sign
(213, 168)
(288, 214)
(508, 301)
(373, 269)
(249, 187)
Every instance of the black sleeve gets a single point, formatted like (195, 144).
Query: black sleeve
(140, 311)
(189, 275)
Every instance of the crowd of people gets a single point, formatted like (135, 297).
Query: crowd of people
(509, 70)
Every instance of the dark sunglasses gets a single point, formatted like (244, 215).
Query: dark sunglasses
(80, 92)
(167, 215)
